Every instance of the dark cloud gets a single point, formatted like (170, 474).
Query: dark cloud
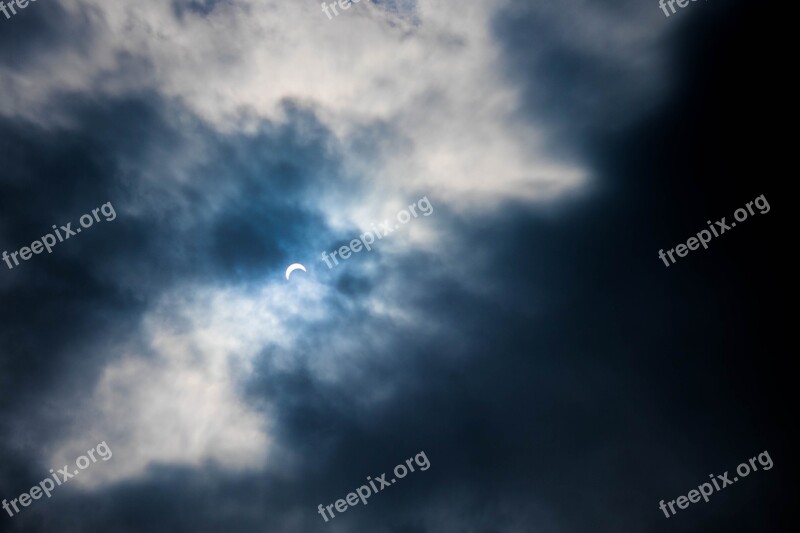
(556, 374)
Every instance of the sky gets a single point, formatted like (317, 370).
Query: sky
(518, 329)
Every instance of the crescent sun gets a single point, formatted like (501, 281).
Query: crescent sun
(292, 268)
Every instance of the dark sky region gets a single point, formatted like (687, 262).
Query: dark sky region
(525, 335)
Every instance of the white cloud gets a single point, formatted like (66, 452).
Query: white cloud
(433, 80)
(180, 403)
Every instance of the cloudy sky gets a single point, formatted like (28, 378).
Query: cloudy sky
(523, 332)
